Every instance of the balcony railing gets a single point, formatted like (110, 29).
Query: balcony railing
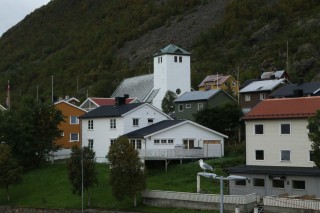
(171, 153)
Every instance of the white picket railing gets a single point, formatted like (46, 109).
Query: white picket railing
(171, 153)
(291, 203)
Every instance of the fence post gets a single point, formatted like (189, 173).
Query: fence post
(237, 210)
(198, 183)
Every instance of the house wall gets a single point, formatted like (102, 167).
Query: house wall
(312, 186)
(219, 99)
(272, 142)
(68, 128)
(170, 75)
(185, 131)
(102, 134)
(230, 83)
(254, 99)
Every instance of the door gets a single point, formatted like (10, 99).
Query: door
(188, 143)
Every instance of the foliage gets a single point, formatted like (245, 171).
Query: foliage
(167, 103)
(31, 131)
(10, 171)
(127, 176)
(82, 176)
(314, 136)
(223, 119)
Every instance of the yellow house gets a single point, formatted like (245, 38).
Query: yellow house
(218, 81)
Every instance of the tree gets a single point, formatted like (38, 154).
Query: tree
(127, 176)
(314, 136)
(223, 119)
(89, 173)
(167, 103)
(31, 131)
(10, 171)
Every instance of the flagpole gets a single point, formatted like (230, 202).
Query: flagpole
(8, 95)
(52, 88)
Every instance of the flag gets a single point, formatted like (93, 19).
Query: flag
(8, 95)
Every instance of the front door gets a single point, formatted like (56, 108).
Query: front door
(188, 143)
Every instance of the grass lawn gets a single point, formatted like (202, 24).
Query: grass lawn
(49, 187)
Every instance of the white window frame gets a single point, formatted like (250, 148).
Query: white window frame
(180, 107)
(135, 121)
(200, 106)
(254, 129)
(310, 155)
(73, 134)
(76, 119)
(247, 97)
(281, 157)
(188, 106)
(113, 123)
(156, 141)
(180, 59)
(150, 120)
(90, 143)
(281, 128)
(170, 141)
(254, 181)
(90, 124)
(112, 141)
(175, 59)
(256, 154)
(263, 96)
(298, 181)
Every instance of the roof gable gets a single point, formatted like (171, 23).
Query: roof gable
(284, 108)
(64, 102)
(264, 85)
(290, 90)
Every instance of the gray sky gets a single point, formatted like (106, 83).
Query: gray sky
(13, 11)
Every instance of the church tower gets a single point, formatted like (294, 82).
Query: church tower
(171, 67)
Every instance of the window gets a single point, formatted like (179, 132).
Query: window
(90, 143)
(277, 183)
(298, 184)
(285, 155)
(180, 107)
(258, 129)
(90, 124)
(156, 141)
(247, 97)
(138, 144)
(163, 141)
(133, 143)
(150, 120)
(200, 106)
(62, 134)
(74, 137)
(159, 60)
(259, 155)
(112, 141)
(240, 182)
(180, 59)
(285, 129)
(74, 120)
(113, 123)
(135, 121)
(188, 106)
(176, 59)
(262, 96)
(311, 155)
(258, 182)
(170, 141)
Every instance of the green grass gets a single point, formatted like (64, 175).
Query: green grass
(49, 187)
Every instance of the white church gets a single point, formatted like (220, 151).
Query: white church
(171, 66)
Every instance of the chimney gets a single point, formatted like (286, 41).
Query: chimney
(120, 101)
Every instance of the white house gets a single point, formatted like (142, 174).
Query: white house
(177, 139)
(101, 126)
(171, 67)
(278, 150)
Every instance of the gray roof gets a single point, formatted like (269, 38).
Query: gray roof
(277, 74)
(172, 49)
(275, 170)
(290, 90)
(140, 133)
(264, 85)
(110, 111)
(197, 95)
(136, 87)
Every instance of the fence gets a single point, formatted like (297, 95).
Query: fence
(171, 153)
(199, 201)
(287, 203)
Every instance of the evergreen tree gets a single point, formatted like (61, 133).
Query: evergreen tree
(88, 170)
(10, 171)
(127, 176)
(314, 136)
(167, 103)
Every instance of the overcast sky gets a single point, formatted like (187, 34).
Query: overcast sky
(13, 11)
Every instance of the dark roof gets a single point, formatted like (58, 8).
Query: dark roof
(140, 133)
(110, 111)
(274, 170)
(277, 108)
(172, 49)
(292, 90)
(197, 95)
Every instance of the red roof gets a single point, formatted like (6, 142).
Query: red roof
(303, 107)
(108, 101)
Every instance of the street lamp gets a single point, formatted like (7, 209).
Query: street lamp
(221, 178)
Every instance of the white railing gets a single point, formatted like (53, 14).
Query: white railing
(211, 198)
(172, 153)
(291, 203)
